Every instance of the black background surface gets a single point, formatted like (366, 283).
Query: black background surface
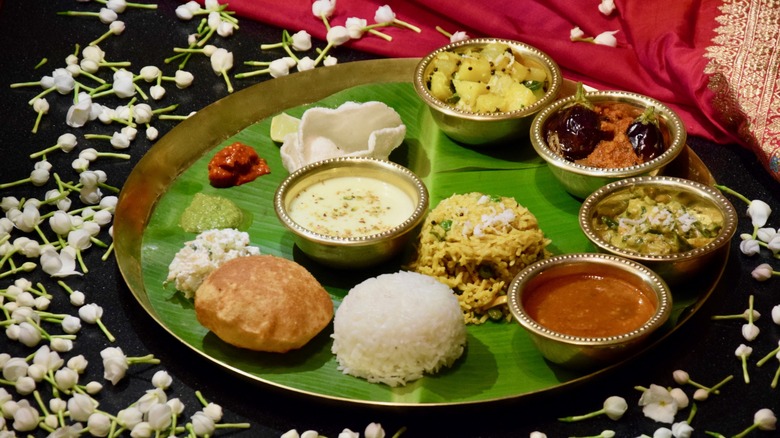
(31, 30)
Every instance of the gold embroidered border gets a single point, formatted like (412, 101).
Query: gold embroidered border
(744, 69)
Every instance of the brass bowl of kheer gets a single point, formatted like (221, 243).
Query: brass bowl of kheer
(351, 212)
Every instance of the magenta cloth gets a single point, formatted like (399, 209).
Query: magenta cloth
(662, 46)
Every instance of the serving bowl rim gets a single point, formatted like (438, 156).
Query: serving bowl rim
(673, 122)
(710, 193)
(555, 81)
(652, 279)
(420, 208)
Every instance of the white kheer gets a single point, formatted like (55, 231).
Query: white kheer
(351, 206)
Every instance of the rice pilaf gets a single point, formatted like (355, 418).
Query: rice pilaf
(476, 244)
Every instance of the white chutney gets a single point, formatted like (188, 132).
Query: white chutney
(351, 206)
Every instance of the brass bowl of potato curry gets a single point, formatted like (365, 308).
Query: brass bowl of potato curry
(486, 91)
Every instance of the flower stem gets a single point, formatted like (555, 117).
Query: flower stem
(149, 358)
(227, 80)
(732, 192)
(101, 38)
(104, 329)
(751, 428)
(133, 5)
(769, 355)
(721, 383)
(25, 84)
(251, 73)
(108, 252)
(14, 183)
(78, 14)
(37, 122)
(271, 46)
(382, 35)
(406, 25)
(694, 410)
(775, 379)
(582, 417)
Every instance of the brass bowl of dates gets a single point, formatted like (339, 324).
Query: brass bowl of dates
(485, 91)
(593, 138)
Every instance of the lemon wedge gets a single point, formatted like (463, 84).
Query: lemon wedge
(283, 124)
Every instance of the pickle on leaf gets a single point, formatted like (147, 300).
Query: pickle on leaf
(645, 135)
(575, 130)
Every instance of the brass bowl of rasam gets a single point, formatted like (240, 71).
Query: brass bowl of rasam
(674, 226)
(589, 310)
(350, 212)
(485, 91)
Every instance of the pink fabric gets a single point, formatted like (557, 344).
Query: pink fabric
(660, 50)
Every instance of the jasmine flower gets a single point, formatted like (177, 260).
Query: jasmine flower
(743, 352)
(614, 408)
(658, 404)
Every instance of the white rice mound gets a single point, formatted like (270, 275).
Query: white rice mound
(394, 328)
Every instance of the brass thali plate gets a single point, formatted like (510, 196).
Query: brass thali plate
(500, 362)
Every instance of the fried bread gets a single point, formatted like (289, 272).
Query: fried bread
(263, 303)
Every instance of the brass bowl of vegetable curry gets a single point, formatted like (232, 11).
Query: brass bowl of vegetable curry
(672, 225)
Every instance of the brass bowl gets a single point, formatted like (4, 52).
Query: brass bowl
(675, 267)
(580, 180)
(578, 351)
(487, 128)
(361, 251)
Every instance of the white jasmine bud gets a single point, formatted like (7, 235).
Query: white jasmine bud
(337, 35)
(107, 16)
(606, 38)
(77, 363)
(29, 335)
(99, 424)
(81, 406)
(183, 79)
(15, 368)
(152, 133)
(62, 345)
(25, 417)
(25, 385)
(157, 92)
(301, 41)
(161, 379)
(305, 63)
(94, 387)
(66, 378)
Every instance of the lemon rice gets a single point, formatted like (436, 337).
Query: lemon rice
(476, 244)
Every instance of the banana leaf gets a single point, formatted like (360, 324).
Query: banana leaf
(500, 361)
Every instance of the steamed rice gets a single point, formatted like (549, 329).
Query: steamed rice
(476, 244)
(396, 327)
